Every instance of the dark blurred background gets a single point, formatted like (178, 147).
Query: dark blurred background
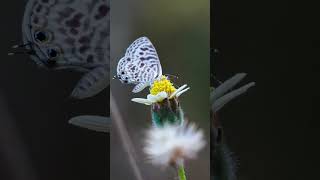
(36, 141)
(271, 133)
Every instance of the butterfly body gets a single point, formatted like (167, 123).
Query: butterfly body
(70, 34)
(140, 65)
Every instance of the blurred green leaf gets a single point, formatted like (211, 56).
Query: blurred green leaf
(95, 123)
(219, 103)
(226, 86)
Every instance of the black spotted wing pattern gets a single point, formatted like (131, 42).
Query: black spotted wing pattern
(140, 65)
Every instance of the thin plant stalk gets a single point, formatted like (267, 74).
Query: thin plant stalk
(13, 148)
(125, 138)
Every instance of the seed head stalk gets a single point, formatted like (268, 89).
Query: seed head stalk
(181, 172)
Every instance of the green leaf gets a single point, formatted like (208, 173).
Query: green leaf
(95, 123)
(226, 86)
(219, 103)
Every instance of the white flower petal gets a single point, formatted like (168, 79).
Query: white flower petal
(157, 98)
(152, 98)
(142, 101)
(162, 95)
(181, 92)
(177, 91)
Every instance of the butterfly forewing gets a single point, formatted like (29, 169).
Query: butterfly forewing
(140, 65)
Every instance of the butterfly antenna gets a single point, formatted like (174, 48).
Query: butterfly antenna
(23, 50)
(30, 52)
(170, 75)
(21, 45)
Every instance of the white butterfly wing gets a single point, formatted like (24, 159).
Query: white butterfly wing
(140, 65)
(143, 52)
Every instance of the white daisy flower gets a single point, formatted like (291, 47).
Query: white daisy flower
(172, 144)
(151, 98)
(160, 90)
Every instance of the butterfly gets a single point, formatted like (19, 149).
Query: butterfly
(73, 35)
(140, 65)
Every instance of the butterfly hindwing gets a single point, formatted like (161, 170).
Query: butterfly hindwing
(91, 83)
(140, 65)
(139, 87)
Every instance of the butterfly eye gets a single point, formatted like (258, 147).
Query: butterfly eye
(42, 36)
(53, 53)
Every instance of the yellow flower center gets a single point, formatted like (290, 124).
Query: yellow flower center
(162, 85)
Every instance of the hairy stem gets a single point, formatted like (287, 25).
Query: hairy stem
(181, 173)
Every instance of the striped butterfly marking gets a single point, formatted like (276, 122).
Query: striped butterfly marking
(140, 65)
(70, 34)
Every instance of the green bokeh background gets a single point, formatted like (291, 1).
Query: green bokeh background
(179, 30)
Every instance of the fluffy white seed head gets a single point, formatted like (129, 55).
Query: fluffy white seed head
(172, 144)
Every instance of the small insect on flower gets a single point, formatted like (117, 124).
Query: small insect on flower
(140, 65)
(160, 90)
(173, 144)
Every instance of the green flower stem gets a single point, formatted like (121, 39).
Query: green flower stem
(181, 173)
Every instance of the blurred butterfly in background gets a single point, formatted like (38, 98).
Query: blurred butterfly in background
(69, 34)
(140, 65)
